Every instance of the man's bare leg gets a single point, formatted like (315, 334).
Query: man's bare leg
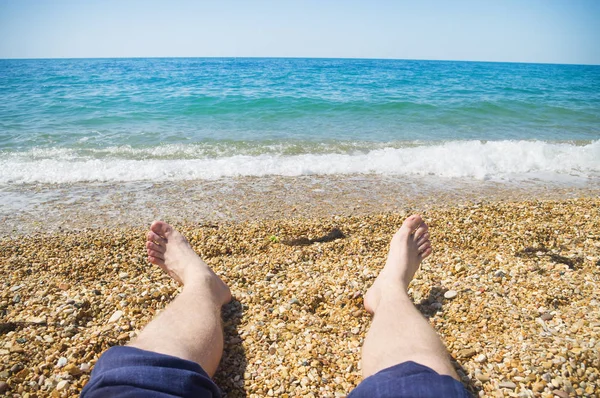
(190, 326)
(399, 332)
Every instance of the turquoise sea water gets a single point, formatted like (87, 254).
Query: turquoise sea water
(183, 119)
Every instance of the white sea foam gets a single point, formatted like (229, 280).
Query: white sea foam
(495, 160)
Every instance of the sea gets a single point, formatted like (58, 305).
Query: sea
(169, 120)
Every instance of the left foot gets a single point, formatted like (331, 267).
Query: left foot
(171, 251)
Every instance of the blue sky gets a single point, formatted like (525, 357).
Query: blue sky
(554, 31)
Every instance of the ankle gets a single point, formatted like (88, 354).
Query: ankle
(208, 287)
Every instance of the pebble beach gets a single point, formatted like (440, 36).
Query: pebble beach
(512, 288)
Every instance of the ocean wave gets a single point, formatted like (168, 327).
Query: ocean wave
(492, 160)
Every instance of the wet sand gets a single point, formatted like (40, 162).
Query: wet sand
(26, 209)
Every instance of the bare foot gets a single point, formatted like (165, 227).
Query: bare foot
(409, 246)
(171, 251)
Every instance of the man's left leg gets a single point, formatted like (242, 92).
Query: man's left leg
(163, 360)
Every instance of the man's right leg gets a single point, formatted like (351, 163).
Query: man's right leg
(399, 333)
(402, 354)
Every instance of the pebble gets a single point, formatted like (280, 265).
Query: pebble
(537, 387)
(450, 294)
(480, 358)
(62, 361)
(546, 316)
(507, 384)
(62, 385)
(3, 387)
(72, 370)
(115, 316)
(84, 367)
(560, 393)
(467, 353)
(15, 368)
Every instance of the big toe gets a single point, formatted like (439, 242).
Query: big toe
(411, 224)
(161, 228)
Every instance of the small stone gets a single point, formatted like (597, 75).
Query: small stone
(17, 298)
(355, 330)
(555, 383)
(560, 393)
(547, 365)
(499, 274)
(480, 358)
(450, 294)
(15, 368)
(123, 336)
(4, 374)
(62, 361)
(123, 275)
(294, 300)
(467, 353)
(116, 316)
(62, 385)
(3, 387)
(72, 370)
(272, 350)
(84, 367)
(357, 313)
(16, 349)
(537, 387)
(15, 288)
(546, 316)
(482, 377)
(63, 286)
(507, 384)
(22, 374)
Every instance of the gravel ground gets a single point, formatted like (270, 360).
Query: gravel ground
(523, 318)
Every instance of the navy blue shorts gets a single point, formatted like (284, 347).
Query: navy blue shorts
(131, 372)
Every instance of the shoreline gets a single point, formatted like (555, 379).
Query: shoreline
(526, 318)
(50, 208)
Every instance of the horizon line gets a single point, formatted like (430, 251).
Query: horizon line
(292, 57)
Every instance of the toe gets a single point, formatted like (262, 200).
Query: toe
(156, 254)
(157, 239)
(153, 246)
(424, 247)
(411, 223)
(426, 252)
(161, 228)
(421, 231)
(423, 238)
(156, 261)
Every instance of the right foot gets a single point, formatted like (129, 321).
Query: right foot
(171, 251)
(409, 246)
